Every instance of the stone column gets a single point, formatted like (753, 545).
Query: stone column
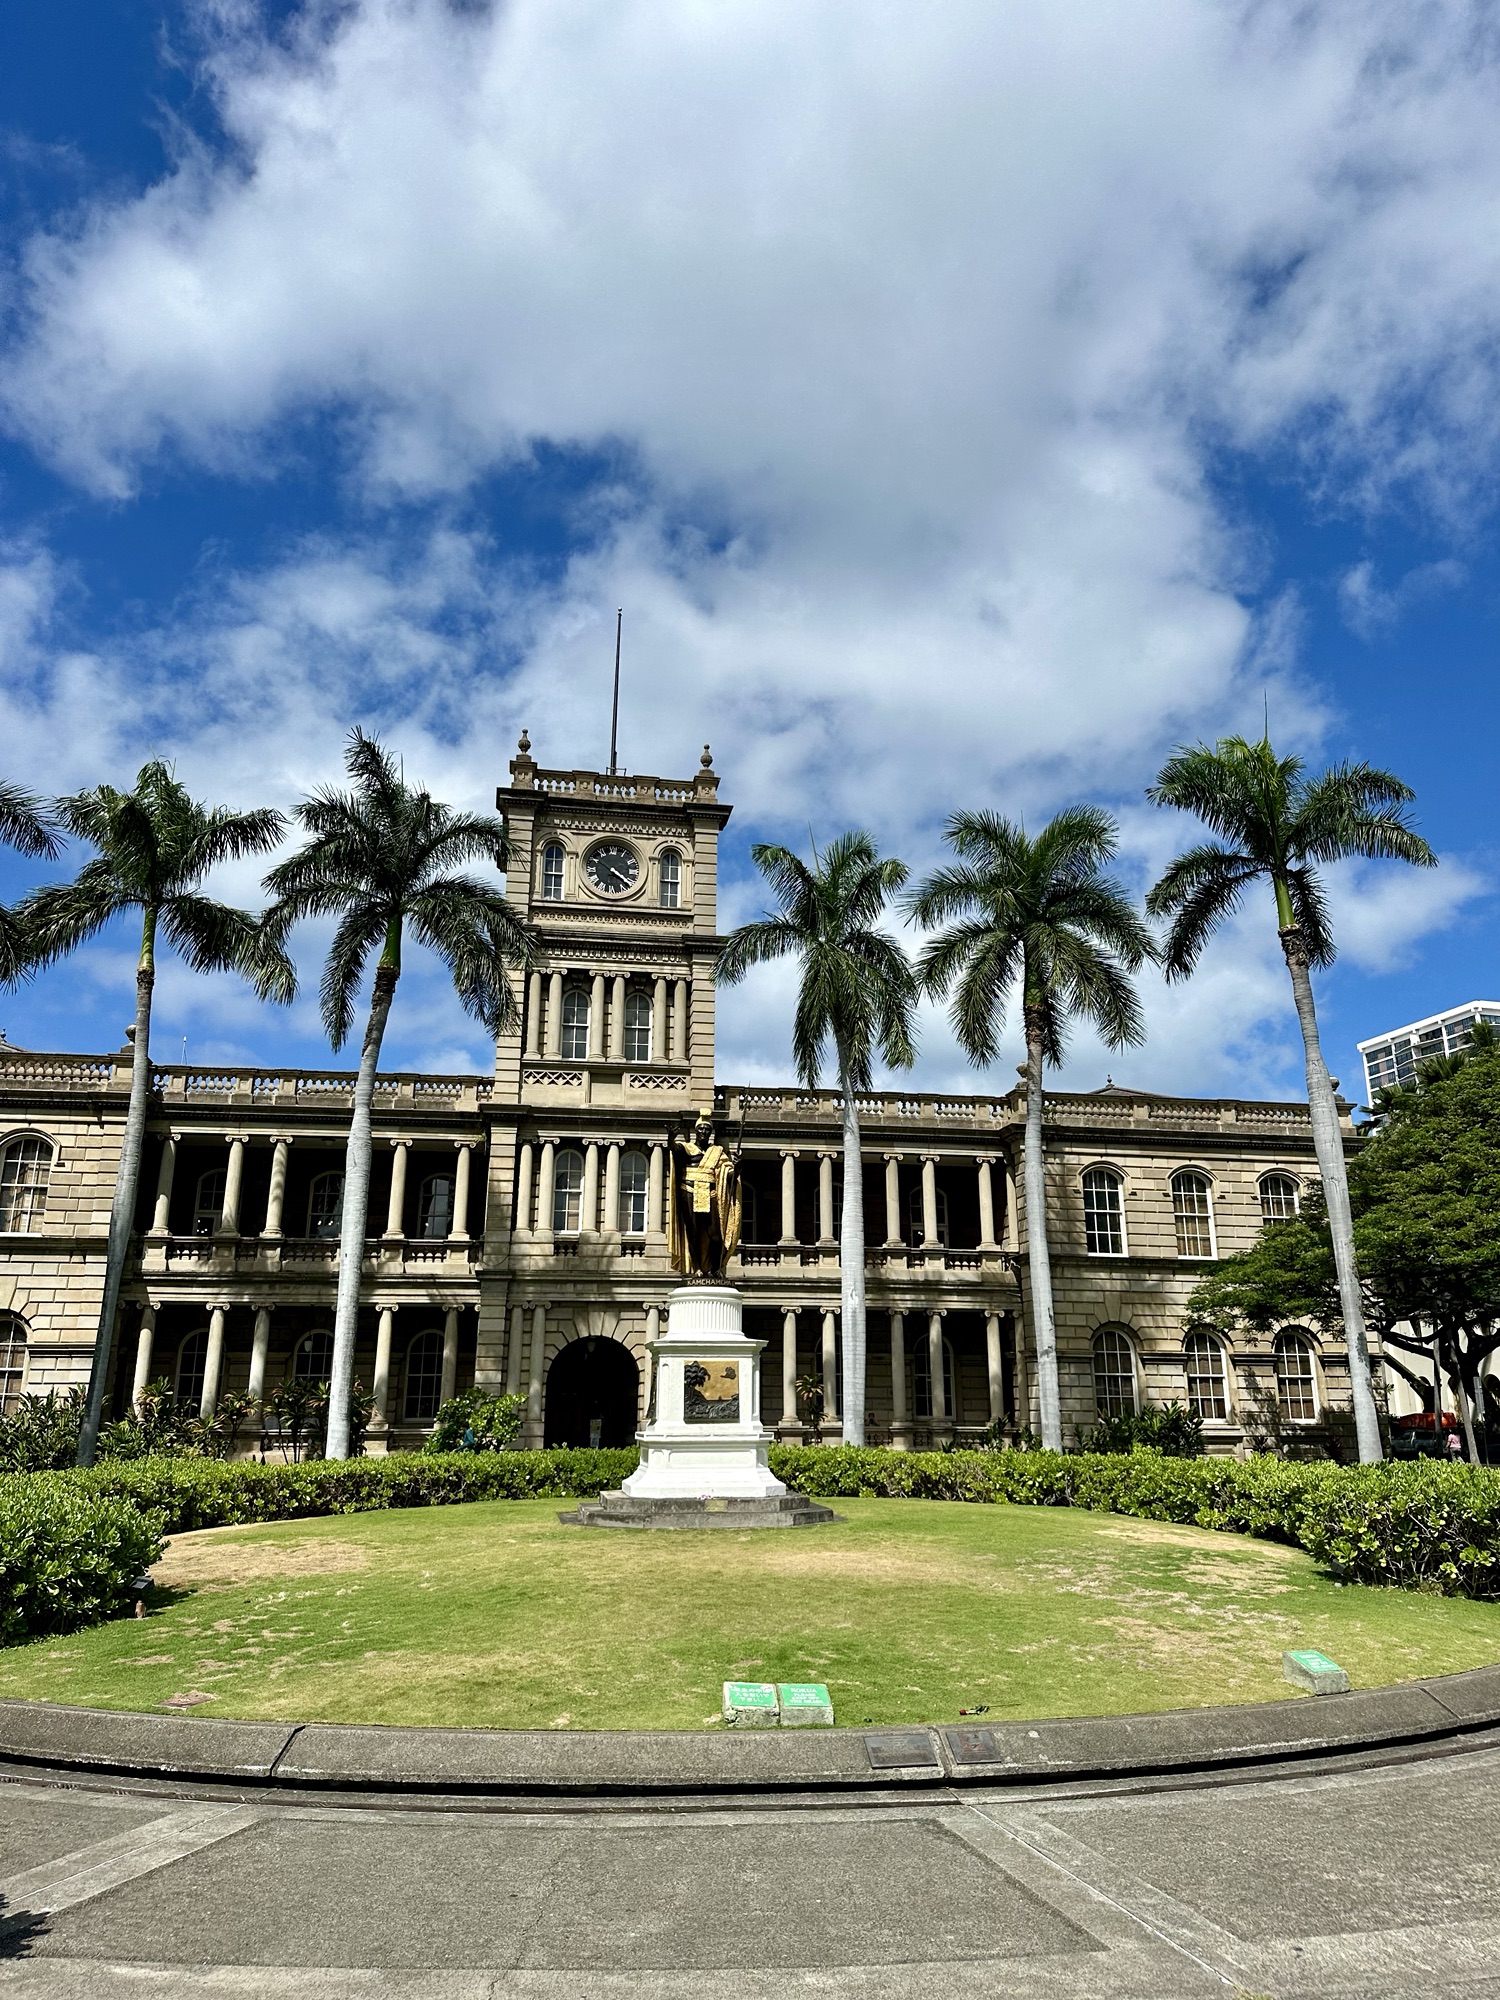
(997, 1371)
(552, 1038)
(655, 1188)
(900, 1426)
(588, 1221)
(653, 1332)
(935, 1368)
(894, 1236)
(596, 1018)
(1009, 1239)
(986, 1207)
(143, 1345)
(535, 1376)
(929, 1203)
(213, 1363)
(234, 1180)
(395, 1208)
(450, 1354)
(523, 1189)
(459, 1231)
(825, 1199)
(790, 1423)
(514, 1352)
(276, 1200)
(659, 1021)
(534, 1014)
(788, 1197)
(679, 1020)
(164, 1175)
(381, 1388)
(260, 1347)
(612, 1187)
(830, 1367)
(617, 1018)
(1023, 1382)
(544, 1188)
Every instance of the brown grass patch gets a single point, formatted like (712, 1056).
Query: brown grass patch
(205, 1558)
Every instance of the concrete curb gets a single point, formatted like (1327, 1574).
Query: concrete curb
(523, 1763)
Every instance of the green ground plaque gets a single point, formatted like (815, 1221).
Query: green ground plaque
(805, 1704)
(750, 1704)
(1315, 1672)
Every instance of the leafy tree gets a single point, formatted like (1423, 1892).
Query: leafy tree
(1276, 824)
(155, 846)
(25, 826)
(476, 1420)
(1040, 916)
(857, 991)
(381, 859)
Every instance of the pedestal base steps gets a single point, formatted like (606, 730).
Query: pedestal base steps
(626, 1510)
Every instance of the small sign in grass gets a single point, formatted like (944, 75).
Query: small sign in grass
(750, 1704)
(804, 1704)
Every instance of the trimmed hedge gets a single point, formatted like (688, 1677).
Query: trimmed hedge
(67, 1557)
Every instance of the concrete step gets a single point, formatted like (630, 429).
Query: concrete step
(623, 1510)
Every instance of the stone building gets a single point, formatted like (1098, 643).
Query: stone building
(515, 1230)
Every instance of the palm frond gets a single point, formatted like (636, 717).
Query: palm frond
(25, 823)
(364, 927)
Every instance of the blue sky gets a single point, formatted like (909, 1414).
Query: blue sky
(964, 410)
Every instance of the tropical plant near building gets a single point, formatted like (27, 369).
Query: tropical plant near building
(155, 848)
(1276, 824)
(857, 991)
(381, 859)
(1039, 917)
(25, 826)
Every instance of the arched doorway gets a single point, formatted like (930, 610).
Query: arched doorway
(593, 1394)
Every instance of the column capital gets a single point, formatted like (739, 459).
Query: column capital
(791, 1152)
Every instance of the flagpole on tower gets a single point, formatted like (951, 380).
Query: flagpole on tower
(614, 714)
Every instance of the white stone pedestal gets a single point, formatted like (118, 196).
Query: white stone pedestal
(705, 1437)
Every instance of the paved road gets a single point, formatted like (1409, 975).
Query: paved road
(1372, 1882)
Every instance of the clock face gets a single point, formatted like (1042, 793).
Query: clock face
(612, 867)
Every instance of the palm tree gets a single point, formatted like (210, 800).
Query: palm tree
(857, 991)
(1277, 824)
(380, 857)
(154, 847)
(24, 825)
(1042, 916)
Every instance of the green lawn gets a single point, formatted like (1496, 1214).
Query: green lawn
(497, 1616)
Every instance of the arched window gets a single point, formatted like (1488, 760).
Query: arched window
(192, 1363)
(635, 1177)
(312, 1357)
(575, 1023)
(552, 873)
(567, 1193)
(1193, 1212)
(424, 1377)
(916, 1221)
(24, 1169)
(1296, 1377)
(1114, 1373)
(921, 1379)
(1280, 1198)
(325, 1206)
(435, 1207)
(1103, 1213)
(637, 1027)
(208, 1201)
(1207, 1382)
(671, 878)
(12, 1361)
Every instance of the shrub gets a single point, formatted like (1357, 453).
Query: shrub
(67, 1557)
(1168, 1427)
(478, 1421)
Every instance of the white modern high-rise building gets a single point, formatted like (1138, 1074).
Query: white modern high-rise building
(1393, 1057)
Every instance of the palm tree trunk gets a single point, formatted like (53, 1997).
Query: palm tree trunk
(1328, 1144)
(852, 1267)
(352, 1219)
(127, 1185)
(1038, 1253)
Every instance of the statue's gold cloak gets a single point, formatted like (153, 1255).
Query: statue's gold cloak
(714, 1172)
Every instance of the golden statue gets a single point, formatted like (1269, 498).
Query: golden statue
(703, 1203)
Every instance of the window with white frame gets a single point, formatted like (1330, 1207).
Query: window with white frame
(1193, 1212)
(637, 1027)
(435, 1207)
(12, 1361)
(325, 1206)
(552, 873)
(424, 1377)
(915, 1216)
(1114, 1373)
(25, 1167)
(1207, 1378)
(1296, 1377)
(671, 878)
(575, 1023)
(635, 1179)
(1103, 1213)
(208, 1201)
(312, 1357)
(1280, 1197)
(921, 1379)
(567, 1193)
(192, 1365)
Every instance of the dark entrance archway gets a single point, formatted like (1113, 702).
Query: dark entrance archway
(593, 1394)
